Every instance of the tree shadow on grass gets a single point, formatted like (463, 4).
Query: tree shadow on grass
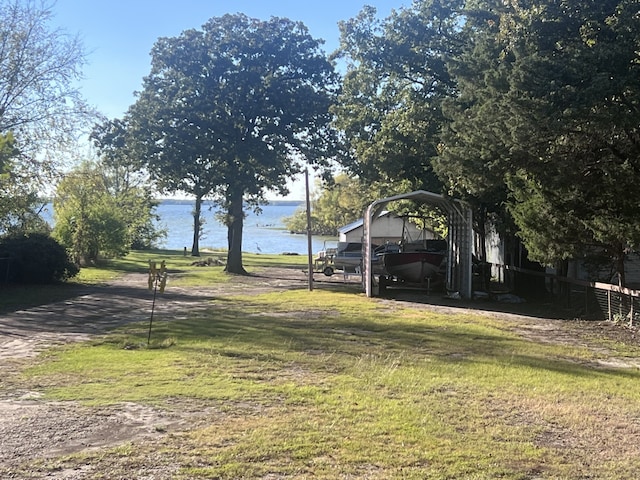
(94, 309)
(243, 335)
(195, 316)
(535, 308)
(19, 297)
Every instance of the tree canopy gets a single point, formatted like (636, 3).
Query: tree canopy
(100, 211)
(232, 110)
(527, 110)
(547, 121)
(39, 100)
(396, 81)
(41, 109)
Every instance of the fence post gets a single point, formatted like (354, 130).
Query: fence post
(586, 300)
(609, 304)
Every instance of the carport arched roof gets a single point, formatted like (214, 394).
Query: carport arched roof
(460, 238)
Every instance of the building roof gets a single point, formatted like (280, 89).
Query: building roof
(359, 223)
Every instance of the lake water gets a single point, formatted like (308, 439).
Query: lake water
(263, 233)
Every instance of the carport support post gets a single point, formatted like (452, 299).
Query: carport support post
(462, 221)
(367, 274)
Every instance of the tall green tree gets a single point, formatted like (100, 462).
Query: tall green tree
(128, 183)
(232, 110)
(473, 154)
(40, 105)
(40, 102)
(553, 110)
(87, 220)
(396, 80)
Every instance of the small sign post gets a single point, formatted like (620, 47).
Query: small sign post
(157, 281)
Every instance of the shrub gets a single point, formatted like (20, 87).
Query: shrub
(35, 258)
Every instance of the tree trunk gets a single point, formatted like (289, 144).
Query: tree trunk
(564, 288)
(619, 265)
(195, 247)
(234, 234)
(484, 270)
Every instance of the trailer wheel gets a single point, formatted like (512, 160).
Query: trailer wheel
(328, 271)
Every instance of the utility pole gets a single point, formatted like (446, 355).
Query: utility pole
(309, 243)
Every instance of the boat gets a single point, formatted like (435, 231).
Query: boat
(348, 256)
(417, 263)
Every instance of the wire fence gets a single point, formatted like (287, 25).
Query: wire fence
(586, 300)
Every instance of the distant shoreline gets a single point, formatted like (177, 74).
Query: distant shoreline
(174, 201)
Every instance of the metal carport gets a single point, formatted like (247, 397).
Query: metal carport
(459, 239)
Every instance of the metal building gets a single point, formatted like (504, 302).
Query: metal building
(459, 240)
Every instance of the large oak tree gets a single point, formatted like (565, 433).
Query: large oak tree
(232, 110)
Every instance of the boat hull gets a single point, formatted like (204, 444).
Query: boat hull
(415, 267)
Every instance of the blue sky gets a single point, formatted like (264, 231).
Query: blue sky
(118, 34)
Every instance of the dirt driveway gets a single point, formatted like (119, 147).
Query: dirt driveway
(34, 430)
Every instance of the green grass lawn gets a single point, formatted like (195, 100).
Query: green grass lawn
(329, 384)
